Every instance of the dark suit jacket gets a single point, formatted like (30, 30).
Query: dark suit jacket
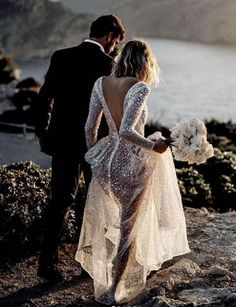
(63, 102)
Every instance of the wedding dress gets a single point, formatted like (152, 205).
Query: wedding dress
(133, 203)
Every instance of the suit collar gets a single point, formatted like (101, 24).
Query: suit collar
(95, 43)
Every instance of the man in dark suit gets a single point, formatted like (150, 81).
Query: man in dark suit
(62, 111)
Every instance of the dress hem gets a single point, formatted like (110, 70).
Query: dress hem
(158, 266)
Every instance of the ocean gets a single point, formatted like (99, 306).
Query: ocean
(196, 80)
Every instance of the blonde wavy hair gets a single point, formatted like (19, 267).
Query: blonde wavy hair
(137, 60)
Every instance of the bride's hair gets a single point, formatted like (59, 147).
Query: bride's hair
(137, 60)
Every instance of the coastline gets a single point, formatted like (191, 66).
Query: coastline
(16, 147)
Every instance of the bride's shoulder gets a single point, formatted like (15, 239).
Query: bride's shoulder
(133, 82)
(98, 82)
(141, 86)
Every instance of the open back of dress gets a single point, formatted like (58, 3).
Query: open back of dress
(133, 198)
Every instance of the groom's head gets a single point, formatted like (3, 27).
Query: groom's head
(108, 30)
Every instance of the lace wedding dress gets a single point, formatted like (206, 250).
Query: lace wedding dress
(133, 209)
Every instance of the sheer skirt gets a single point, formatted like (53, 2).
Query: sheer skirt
(133, 216)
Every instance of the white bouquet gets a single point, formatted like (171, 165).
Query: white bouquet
(189, 142)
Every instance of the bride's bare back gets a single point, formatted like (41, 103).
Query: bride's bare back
(114, 91)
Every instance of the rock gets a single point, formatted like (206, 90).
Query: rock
(224, 278)
(181, 269)
(158, 301)
(230, 300)
(198, 283)
(203, 211)
(50, 20)
(203, 296)
(146, 296)
(203, 20)
(214, 248)
(178, 273)
(207, 21)
(216, 271)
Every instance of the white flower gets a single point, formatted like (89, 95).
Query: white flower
(190, 142)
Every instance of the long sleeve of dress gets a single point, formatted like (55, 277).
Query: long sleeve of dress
(45, 100)
(94, 118)
(133, 111)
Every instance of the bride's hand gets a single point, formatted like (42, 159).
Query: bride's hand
(160, 146)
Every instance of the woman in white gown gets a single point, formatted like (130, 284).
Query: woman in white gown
(133, 219)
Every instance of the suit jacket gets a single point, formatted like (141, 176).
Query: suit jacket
(63, 101)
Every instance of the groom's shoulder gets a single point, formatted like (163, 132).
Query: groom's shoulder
(65, 52)
(83, 51)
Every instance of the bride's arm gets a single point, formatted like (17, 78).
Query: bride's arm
(94, 118)
(131, 116)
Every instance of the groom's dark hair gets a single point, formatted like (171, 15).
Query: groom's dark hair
(106, 24)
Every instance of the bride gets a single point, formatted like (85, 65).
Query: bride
(133, 219)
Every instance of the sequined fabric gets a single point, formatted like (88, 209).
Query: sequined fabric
(133, 207)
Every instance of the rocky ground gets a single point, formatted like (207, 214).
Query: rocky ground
(204, 277)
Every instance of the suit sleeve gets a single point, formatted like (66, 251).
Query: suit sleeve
(45, 100)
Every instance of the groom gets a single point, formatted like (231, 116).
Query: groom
(61, 115)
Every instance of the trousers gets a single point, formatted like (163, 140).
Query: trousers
(66, 171)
